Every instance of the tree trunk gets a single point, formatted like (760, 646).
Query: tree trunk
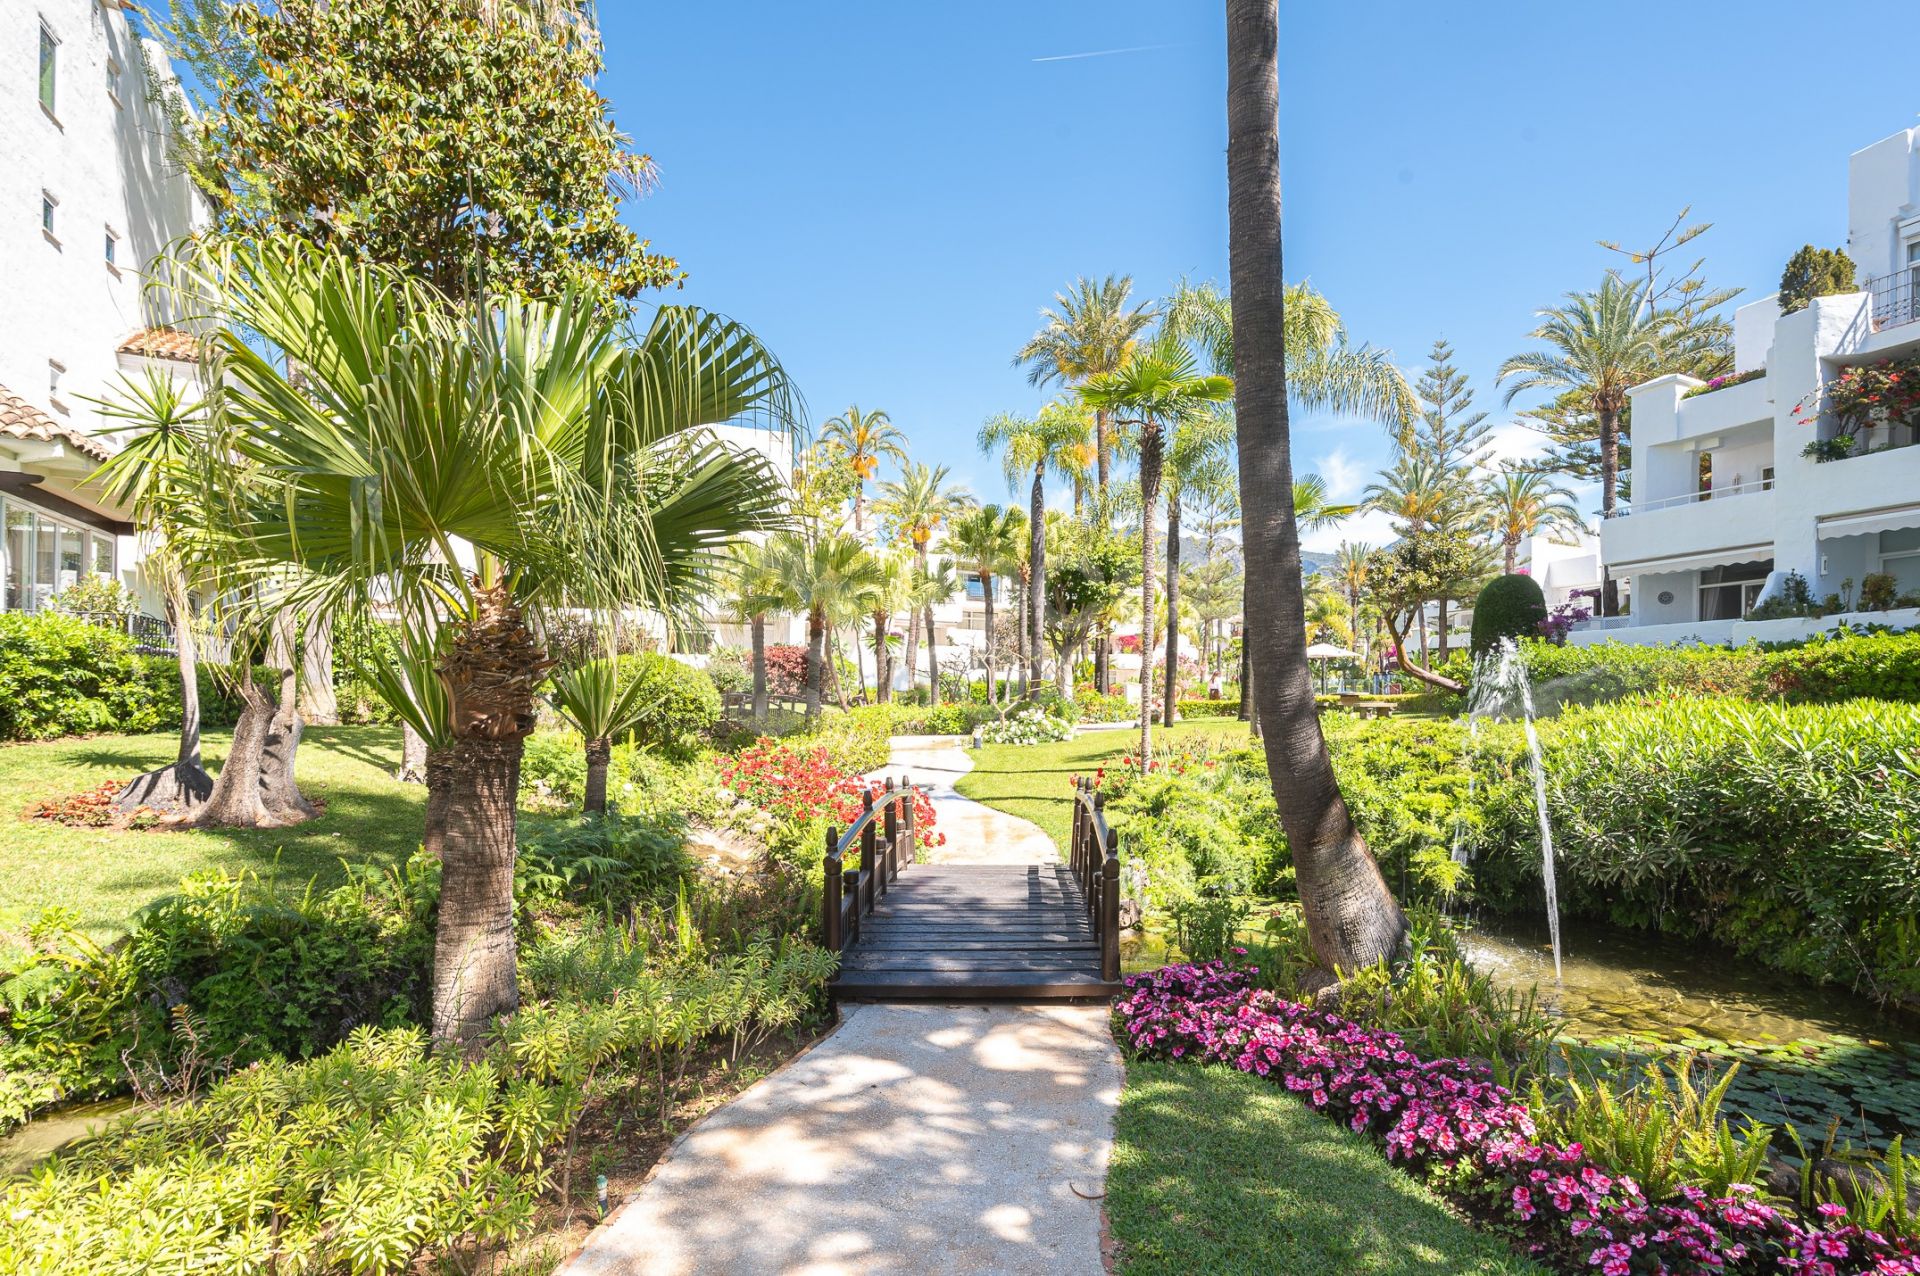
(1150, 465)
(986, 594)
(599, 755)
(434, 770)
(1173, 606)
(816, 660)
(1422, 613)
(234, 801)
(882, 676)
(414, 758)
(1036, 577)
(491, 666)
(1352, 918)
(834, 659)
(933, 660)
(278, 792)
(1609, 459)
(1512, 547)
(183, 786)
(1103, 446)
(912, 652)
(1246, 662)
(1443, 630)
(1407, 666)
(318, 704)
(758, 626)
(1023, 632)
(1102, 677)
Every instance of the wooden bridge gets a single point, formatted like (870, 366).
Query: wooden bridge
(970, 932)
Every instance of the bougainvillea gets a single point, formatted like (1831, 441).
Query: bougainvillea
(1477, 1142)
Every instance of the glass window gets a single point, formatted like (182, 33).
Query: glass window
(103, 554)
(18, 546)
(113, 242)
(49, 48)
(47, 204)
(46, 553)
(70, 563)
(976, 590)
(1728, 593)
(1900, 541)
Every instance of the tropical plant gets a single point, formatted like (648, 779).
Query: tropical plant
(1093, 331)
(1522, 503)
(833, 580)
(751, 592)
(1159, 387)
(1200, 466)
(892, 595)
(987, 541)
(917, 506)
(1036, 445)
(928, 587)
(1352, 918)
(865, 438)
(1510, 606)
(573, 466)
(593, 699)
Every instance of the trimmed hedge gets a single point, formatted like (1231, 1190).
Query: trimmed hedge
(60, 676)
(1207, 708)
(1508, 607)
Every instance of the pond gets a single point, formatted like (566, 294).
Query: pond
(46, 1134)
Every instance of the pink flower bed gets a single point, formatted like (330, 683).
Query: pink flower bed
(1477, 1142)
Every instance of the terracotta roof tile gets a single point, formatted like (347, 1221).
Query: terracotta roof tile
(21, 420)
(163, 343)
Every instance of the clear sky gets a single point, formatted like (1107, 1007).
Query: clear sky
(889, 192)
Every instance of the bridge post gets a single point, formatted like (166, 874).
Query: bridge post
(913, 824)
(870, 846)
(890, 817)
(830, 899)
(1110, 910)
(1073, 842)
(1094, 850)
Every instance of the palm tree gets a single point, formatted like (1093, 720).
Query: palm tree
(987, 541)
(918, 505)
(593, 699)
(1093, 331)
(1520, 503)
(1420, 496)
(866, 437)
(1602, 343)
(1200, 464)
(930, 586)
(1352, 919)
(892, 594)
(833, 580)
(1350, 578)
(752, 592)
(1051, 441)
(1159, 386)
(568, 465)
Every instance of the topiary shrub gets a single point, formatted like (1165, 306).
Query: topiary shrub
(1509, 607)
(1814, 272)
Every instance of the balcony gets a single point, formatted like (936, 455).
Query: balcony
(1896, 299)
(1690, 524)
(1696, 498)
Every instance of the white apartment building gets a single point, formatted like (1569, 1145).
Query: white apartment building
(1726, 504)
(87, 198)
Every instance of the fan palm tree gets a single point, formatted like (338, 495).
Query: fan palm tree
(918, 505)
(1520, 503)
(866, 438)
(1602, 343)
(1049, 442)
(534, 440)
(1092, 329)
(1352, 919)
(593, 699)
(752, 591)
(987, 541)
(833, 580)
(1160, 386)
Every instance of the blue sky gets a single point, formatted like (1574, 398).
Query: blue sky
(889, 192)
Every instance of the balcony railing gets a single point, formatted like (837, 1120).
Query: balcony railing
(1696, 498)
(1896, 299)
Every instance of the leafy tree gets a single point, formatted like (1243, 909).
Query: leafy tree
(1520, 503)
(1350, 578)
(1420, 566)
(460, 140)
(1351, 917)
(1814, 272)
(1083, 586)
(1049, 442)
(864, 439)
(892, 594)
(928, 586)
(571, 459)
(1093, 331)
(987, 541)
(594, 699)
(1160, 386)
(752, 591)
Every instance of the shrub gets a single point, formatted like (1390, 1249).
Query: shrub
(1032, 725)
(1508, 607)
(60, 675)
(681, 702)
(1094, 707)
(786, 670)
(553, 765)
(1207, 708)
(1845, 666)
(731, 669)
(1814, 272)
(610, 861)
(1877, 591)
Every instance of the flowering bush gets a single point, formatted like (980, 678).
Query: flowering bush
(1477, 1141)
(1560, 622)
(1860, 398)
(1029, 726)
(1721, 383)
(793, 791)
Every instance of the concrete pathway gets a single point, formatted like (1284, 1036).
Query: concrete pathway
(976, 834)
(924, 1139)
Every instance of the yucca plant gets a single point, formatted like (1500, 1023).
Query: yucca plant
(593, 699)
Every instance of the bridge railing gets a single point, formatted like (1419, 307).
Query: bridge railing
(882, 841)
(1095, 863)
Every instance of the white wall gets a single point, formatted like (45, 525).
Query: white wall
(1883, 200)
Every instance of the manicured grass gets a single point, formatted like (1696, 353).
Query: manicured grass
(1219, 1172)
(1034, 780)
(105, 874)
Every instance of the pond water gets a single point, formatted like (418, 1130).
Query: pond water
(41, 1137)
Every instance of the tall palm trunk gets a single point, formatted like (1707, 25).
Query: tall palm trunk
(491, 666)
(599, 755)
(816, 660)
(319, 705)
(1102, 446)
(185, 784)
(1173, 604)
(1443, 630)
(255, 788)
(986, 594)
(758, 628)
(1512, 546)
(1352, 919)
(913, 623)
(882, 675)
(1609, 421)
(933, 660)
(1036, 577)
(1151, 460)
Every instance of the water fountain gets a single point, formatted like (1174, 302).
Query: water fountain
(1501, 690)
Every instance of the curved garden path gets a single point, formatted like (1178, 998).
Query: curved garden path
(915, 1138)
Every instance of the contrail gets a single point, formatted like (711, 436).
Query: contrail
(1102, 53)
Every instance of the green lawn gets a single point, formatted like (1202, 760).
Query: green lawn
(104, 874)
(1219, 1172)
(1034, 780)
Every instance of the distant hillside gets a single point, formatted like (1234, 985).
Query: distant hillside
(1312, 562)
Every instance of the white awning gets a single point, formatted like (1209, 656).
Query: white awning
(1693, 562)
(1869, 522)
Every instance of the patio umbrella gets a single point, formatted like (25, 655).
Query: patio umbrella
(1324, 651)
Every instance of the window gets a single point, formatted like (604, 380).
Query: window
(1900, 558)
(1728, 593)
(1913, 278)
(49, 50)
(48, 205)
(56, 371)
(976, 588)
(113, 80)
(41, 555)
(103, 554)
(113, 249)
